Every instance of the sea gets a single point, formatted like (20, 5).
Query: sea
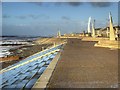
(13, 42)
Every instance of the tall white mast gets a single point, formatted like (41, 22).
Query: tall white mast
(89, 25)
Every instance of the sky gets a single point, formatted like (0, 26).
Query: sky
(47, 18)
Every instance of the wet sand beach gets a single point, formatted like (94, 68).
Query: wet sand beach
(24, 54)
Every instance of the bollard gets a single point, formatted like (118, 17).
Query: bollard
(42, 48)
(54, 44)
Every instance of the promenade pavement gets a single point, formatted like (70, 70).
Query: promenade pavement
(81, 65)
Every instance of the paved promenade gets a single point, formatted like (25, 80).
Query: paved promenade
(82, 65)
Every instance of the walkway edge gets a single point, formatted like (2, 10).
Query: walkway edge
(45, 77)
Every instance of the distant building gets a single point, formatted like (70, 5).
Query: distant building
(98, 32)
(104, 32)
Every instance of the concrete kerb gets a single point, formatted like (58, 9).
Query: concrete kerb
(45, 77)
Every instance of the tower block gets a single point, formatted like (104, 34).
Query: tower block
(112, 32)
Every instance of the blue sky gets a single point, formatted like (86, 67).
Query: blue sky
(46, 18)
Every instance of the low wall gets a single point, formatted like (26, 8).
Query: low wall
(103, 42)
(93, 39)
(108, 44)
